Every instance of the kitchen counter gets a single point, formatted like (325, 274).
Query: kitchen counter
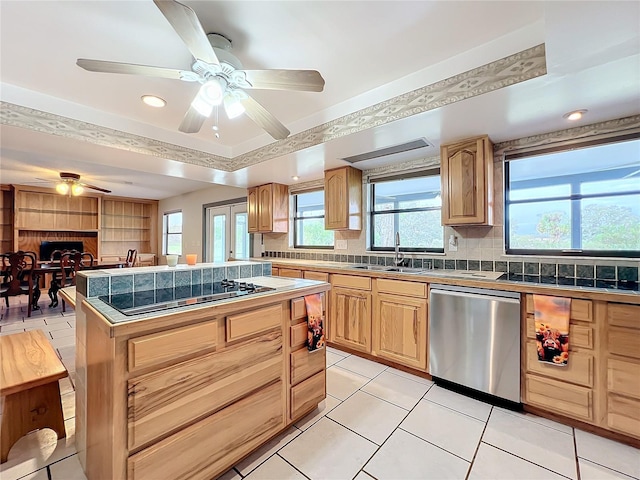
(466, 278)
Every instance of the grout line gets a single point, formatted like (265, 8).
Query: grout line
(277, 454)
(423, 399)
(575, 453)
(524, 459)
(475, 454)
(437, 446)
(625, 475)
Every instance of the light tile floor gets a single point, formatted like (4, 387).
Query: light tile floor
(376, 422)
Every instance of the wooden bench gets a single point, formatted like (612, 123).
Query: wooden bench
(30, 370)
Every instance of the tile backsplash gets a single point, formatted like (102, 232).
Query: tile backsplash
(529, 267)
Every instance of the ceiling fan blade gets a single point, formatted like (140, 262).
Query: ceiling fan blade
(116, 67)
(264, 119)
(192, 121)
(301, 80)
(186, 24)
(93, 187)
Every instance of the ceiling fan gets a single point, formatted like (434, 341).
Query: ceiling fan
(70, 184)
(220, 73)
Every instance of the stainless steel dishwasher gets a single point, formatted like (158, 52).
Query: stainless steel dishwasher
(474, 339)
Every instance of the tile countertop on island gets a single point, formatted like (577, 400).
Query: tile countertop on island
(465, 278)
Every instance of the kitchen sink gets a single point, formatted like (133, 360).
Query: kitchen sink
(384, 268)
(378, 268)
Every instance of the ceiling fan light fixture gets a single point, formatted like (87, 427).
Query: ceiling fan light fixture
(209, 95)
(233, 105)
(153, 101)
(76, 189)
(62, 188)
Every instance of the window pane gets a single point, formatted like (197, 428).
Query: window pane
(219, 247)
(311, 232)
(242, 236)
(410, 193)
(611, 223)
(174, 221)
(540, 225)
(174, 244)
(417, 230)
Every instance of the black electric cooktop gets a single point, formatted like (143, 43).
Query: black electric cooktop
(148, 301)
(573, 282)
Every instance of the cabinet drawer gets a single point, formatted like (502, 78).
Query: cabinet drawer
(204, 450)
(349, 281)
(580, 309)
(320, 276)
(623, 415)
(400, 287)
(622, 315)
(623, 377)
(164, 400)
(299, 335)
(299, 308)
(579, 335)
(579, 369)
(305, 363)
(306, 395)
(624, 341)
(256, 321)
(570, 400)
(291, 273)
(171, 345)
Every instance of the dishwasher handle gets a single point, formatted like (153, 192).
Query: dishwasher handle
(473, 292)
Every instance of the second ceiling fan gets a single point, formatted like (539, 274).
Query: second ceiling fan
(220, 73)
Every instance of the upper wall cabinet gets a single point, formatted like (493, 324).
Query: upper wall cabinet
(343, 199)
(467, 182)
(268, 208)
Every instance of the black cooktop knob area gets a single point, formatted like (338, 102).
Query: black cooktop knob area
(242, 286)
(228, 283)
(251, 287)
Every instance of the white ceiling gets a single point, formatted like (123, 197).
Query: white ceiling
(367, 52)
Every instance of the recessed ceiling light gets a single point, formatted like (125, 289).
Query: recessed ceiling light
(575, 115)
(295, 177)
(153, 101)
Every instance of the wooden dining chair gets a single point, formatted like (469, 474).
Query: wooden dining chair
(132, 255)
(17, 276)
(87, 259)
(70, 264)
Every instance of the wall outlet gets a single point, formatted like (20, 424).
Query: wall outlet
(453, 243)
(341, 245)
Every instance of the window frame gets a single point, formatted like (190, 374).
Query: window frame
(573, 197)
(296, 218)
(166, 233)
(372, 213)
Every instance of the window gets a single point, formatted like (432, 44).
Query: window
(410, 206)
(308, 221)
(172, 233)
(582, 201)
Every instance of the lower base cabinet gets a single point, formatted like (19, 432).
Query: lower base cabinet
(400, 330)
(350, 320)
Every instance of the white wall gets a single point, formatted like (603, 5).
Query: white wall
(191, 206)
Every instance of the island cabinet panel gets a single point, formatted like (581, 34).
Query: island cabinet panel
(350, 318)
(466, 169)
(205, 449)
(305, 363)
(400, 329)
(307, 395)
(251, 323)
(169, 345)
(160, 402)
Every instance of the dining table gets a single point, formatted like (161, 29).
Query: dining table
(54, 268)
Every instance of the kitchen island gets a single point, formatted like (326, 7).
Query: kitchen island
(188, 392)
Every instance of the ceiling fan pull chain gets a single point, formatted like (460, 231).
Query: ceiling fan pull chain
(215, 125)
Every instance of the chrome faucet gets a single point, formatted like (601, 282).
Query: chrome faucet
(399, 257)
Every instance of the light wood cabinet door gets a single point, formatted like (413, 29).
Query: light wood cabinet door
(400, 329)
(467, 182)
(265, 208)
(252, 209)
(290, 273)
(343, 199)
(350, 319)
(268, 208)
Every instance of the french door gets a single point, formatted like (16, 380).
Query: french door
(227, 233)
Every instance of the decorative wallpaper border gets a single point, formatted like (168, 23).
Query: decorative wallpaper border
(507, 71)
